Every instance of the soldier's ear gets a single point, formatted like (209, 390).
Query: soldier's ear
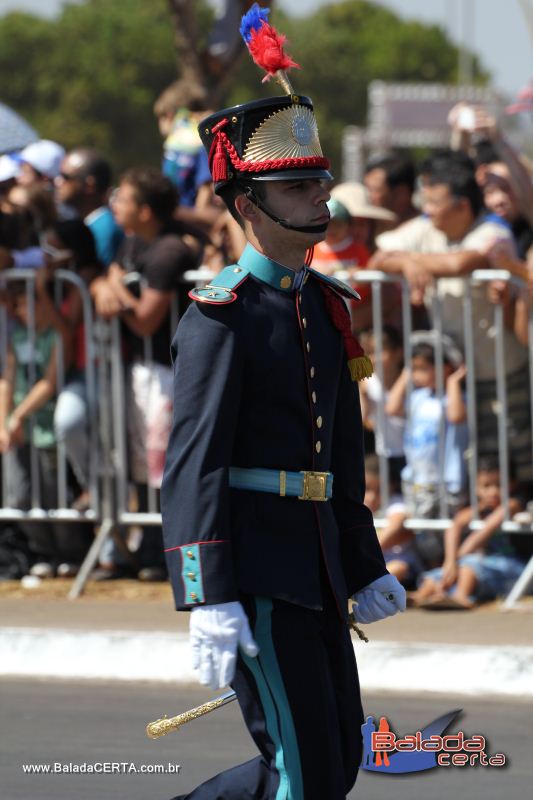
(246, 208)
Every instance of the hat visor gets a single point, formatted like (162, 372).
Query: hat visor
(292, 175)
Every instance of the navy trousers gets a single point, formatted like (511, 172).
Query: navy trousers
(301, 703)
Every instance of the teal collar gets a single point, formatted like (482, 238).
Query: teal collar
(268, 271)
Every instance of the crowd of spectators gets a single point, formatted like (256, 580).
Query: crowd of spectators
(466, 208)
(130, 242)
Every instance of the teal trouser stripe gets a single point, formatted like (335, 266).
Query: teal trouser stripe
(275, 705)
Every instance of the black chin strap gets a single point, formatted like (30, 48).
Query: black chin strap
(251, 195)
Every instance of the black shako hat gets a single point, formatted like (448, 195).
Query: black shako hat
(264, 140)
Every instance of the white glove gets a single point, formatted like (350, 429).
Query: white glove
(382, 598)
(215, 631)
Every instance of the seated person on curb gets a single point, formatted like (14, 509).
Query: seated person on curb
(424, 410)
(396, 541)
(478, 565)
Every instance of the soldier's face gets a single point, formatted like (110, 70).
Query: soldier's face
(299, 202)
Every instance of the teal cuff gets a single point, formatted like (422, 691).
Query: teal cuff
(191, 573)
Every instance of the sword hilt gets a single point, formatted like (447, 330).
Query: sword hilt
(160, 727)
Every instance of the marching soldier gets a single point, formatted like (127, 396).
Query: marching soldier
(266, 533)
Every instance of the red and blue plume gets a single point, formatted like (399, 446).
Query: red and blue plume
(264, 42)
(252, 21)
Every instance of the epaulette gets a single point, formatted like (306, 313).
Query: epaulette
(339, 286)
(221, 290)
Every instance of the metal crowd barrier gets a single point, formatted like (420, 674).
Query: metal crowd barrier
(151, 515)
(62, 511)
(110, 457)
(116, 496)
(377, 280)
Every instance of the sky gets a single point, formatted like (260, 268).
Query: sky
(495, 29)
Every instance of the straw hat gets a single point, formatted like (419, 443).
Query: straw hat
(354, 198)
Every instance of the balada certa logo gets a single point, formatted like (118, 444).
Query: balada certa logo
(389, 754)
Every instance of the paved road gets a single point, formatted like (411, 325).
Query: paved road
(52, 721)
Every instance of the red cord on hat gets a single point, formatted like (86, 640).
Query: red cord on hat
(217, 154)
(222, 146)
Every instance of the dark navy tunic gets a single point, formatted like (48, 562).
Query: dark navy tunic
(263, 381)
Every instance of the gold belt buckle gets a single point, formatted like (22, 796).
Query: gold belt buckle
(315, 484)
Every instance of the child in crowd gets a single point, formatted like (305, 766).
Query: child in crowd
(390, 434)
(431, 457)
(478, 565)
(339, 250)
(27, 390)
(348, 246)
(396, 541)
(178, 110)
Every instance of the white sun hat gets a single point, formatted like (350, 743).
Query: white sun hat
(44, 156)
(9, 168)
(354, 198)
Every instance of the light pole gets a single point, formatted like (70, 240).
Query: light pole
(467, 11)
(527, 10)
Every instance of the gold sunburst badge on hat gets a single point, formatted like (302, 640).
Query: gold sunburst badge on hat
(289, 133)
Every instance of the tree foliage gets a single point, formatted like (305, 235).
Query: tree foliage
(91, 75)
